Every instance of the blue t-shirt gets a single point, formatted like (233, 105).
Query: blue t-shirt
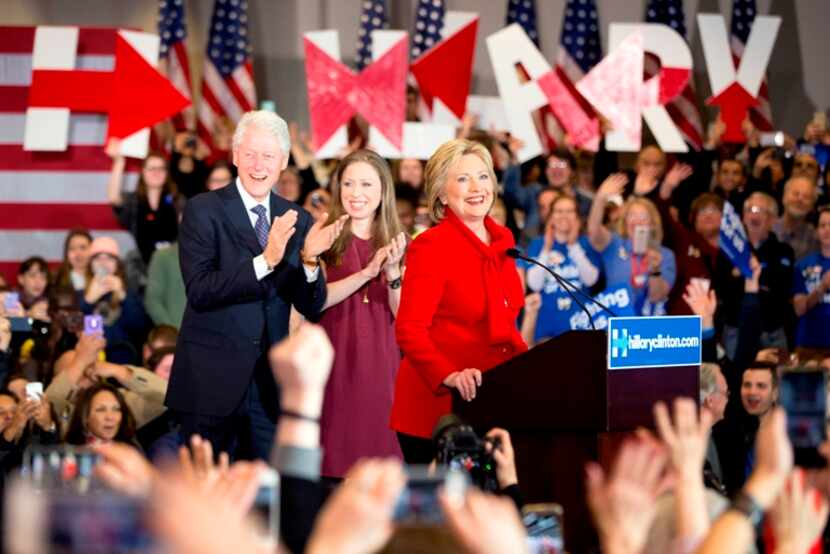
(557, 306)
(813, 328)
(617, 264)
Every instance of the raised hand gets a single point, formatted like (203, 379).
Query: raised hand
(613, 185)
(5, 334)
(197, 465)
(466, 381)
(282, 229)
(321, 236)
(676, 174)
(703, 302)
(773, 459)
(358, 517)
(486, 524)
(124, 468)
(623, 503)
(798, 515)
(686, 438)
(301, 364)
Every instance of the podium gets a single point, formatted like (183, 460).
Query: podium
(563, 408)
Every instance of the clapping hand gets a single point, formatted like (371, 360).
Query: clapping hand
(321, 236)
(395, 249)
(485, 524)
(377, 262)
(282, 229)
(798, 516)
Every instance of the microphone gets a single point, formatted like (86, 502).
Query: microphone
(568, 287)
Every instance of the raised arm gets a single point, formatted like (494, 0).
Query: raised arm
(613, 185)
(116, 179)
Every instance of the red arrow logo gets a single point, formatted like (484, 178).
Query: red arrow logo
(134, 95)
(734, 102)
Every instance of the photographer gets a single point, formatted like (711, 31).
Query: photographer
(501, 448)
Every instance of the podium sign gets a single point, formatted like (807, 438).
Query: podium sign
(635, 342)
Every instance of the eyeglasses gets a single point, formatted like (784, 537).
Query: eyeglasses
(558, 165)
(803, 164)
(709, 210)
(155, 168)
(757, 210)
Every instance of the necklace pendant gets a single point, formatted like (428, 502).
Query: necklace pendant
(365, 297)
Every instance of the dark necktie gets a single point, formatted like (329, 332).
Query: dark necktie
(261, 227)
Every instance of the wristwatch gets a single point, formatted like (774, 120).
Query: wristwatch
(395, 284)
(743, 503)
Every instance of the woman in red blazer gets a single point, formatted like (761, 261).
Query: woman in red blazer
(461, 296)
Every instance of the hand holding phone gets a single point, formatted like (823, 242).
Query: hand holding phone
(803, 394)
(34, 390)
(93, 325)
(640, 240)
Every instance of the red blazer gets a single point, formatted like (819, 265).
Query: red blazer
(458, 310)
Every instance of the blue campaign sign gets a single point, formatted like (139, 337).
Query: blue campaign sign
(618, 299)
(653, 341)
(733, 240)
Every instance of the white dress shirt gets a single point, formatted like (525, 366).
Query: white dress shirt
(260, 265)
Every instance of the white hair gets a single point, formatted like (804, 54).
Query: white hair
(708, 380)
(266, 120)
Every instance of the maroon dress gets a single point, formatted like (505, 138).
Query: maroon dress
(355, 419)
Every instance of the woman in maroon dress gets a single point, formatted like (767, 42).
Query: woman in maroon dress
(363, 272)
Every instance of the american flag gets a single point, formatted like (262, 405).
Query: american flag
(372, 17)
(683, 109)
(173, 60)
(228, 78)
(44, 194)
(523, 12)
(743, 14)
(429, 20)
(579, 45)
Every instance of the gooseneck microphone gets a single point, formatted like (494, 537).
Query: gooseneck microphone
(568, 287)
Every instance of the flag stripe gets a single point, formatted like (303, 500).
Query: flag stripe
(16, 69)
(14, 98)
(57, 216)
(84, 129)
(17, 245)
(74, 158)
(45, 187)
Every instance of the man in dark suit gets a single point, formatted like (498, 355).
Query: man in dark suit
(247, 256)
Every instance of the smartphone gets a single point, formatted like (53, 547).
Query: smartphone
(544, 522)
(772, 139)
(419, 503)
(640, 240)
(20, 324)
(101, 272)
(63, 521)
(34, 390)
(803, 394)
(316, 199)
(267, 505)
(11, 300)
(93, 325)
(704, 283)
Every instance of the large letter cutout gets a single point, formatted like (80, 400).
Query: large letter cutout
(735, 92)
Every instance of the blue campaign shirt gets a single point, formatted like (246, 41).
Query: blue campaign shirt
(813, 328)
(557, 306)
(616, 259)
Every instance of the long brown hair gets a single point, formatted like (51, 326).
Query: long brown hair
(169, 187)
(77, 431)
(62, 279)
(386, 225)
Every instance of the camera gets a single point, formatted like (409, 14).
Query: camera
(457, 446)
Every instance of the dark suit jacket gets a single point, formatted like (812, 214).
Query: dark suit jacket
(231, 319)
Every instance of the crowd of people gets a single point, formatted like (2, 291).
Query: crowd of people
(404, 267)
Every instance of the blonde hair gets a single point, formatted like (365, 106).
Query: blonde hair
(386, 224)
(708, 380)
(439, 166)
(653, 215)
